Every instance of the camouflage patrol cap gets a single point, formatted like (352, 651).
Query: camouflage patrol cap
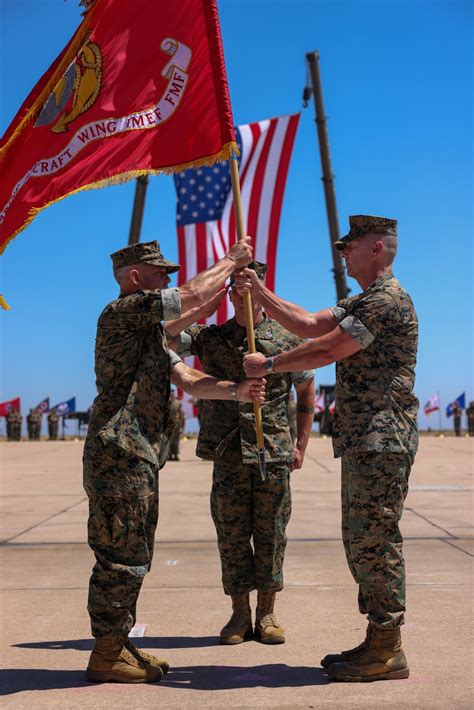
(361, 224)
(257, 266)
(143, 253)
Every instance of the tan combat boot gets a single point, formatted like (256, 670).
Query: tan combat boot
(267, 628)
(147, 657)
(112, 661)
(350, 653)
(384, 659)
(239, 626)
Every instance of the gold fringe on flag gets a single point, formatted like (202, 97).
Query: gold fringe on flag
(227, 151)
(4, 304)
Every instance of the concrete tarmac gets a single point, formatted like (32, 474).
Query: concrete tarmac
(46, 563)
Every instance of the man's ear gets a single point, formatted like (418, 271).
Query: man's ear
(135, 276)
(378, 247)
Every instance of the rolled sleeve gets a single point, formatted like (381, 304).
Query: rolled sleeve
(338, 313)
(378, 314)
(357, 330)
(171, 302)
(183, 344)
(297, 378)
(174, 359)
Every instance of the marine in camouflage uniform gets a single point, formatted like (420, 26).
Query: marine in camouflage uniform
(470, 418)
(53, 421)
(16, 426)
(177, 418)
(457, 414)
(10, 420)
(123, 449)
(244, 508)
(373, 336)
(38, 424)
(33, 421)
(30, 425)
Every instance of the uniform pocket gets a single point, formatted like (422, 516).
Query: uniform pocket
(121, 532)
(377, 484)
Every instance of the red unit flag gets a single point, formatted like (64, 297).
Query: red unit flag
(13, 405)
(140, 88)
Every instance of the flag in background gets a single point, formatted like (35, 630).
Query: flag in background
(65, 407)
(205, 213)
(460, 402)
(141, 87)
(13, 405)
(319, 403)
(43, 406)
(432, 404)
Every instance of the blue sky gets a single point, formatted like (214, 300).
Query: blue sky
(397, 81)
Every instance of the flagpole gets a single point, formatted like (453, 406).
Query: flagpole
(239, 217)
(328, 178)
(138, 209)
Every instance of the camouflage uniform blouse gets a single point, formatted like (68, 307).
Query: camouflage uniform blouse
(376, 409)
(228, 428)
(132, 367)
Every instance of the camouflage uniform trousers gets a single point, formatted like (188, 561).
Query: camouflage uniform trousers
(53, 431)
(374, 487)
(123, 515)
(244, 507)
(175, 441)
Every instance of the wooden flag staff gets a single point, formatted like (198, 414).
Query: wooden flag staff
(241, 234)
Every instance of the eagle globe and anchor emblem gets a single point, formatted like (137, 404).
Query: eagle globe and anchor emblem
(83, 81)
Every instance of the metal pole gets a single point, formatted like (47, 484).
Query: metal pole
(138, 208)
(328, 177)
(440, 415)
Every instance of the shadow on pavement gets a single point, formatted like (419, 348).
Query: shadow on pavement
(147, 642)
(17, 680)
(273, 675)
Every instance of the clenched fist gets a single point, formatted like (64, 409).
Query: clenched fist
(241, 252)
(254, 365)
(252, 390)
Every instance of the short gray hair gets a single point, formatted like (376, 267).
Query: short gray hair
(123, 271)
(390, 246)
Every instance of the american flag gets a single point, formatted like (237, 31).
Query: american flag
(205, 214)
(319, 403)
(432, 404)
